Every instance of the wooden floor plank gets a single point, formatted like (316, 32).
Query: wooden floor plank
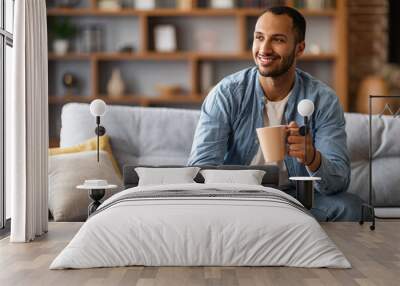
(374, 255)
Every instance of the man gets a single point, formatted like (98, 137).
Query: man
(267, 95)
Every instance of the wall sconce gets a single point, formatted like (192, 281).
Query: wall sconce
(97, 109)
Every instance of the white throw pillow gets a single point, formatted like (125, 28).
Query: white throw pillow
(164, 176)
(248, 177)
(66, 171)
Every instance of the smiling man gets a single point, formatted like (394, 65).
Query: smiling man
(268, 95)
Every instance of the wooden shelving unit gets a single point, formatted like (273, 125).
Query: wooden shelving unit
(174, 56)
(337, 59)
(176, 12)
(136, 99)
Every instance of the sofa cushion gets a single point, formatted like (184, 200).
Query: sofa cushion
(89, 145)
(385, 154)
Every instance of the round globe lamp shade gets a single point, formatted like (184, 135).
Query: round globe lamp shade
(305, 108)
(98, 107)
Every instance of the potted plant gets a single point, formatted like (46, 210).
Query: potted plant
(62, 31)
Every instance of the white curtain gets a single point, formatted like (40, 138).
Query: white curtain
(27, 123)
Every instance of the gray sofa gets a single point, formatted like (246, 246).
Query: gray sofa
(162, 136)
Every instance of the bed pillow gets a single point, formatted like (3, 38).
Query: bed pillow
(270, 179)
(163, 176)
(66, 171)
(89, 145)
(248, 177)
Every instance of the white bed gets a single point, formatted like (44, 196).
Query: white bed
(242, 227)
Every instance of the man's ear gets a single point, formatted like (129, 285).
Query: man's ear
(300, 47)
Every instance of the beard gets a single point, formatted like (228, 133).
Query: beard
(283, 67)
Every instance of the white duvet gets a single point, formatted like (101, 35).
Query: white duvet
(183, 231)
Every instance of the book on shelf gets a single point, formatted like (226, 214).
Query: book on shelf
(314, 4)
(218, 4)
(300, 4)
(260, 3)
(202, 3)
(165, 4)
(248, 3)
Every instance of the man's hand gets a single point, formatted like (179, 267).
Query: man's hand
(296, 147)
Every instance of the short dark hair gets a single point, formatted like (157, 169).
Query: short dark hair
(299, 23)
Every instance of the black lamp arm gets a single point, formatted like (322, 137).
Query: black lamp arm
(305, 139)
(100, 131)
(303, 131)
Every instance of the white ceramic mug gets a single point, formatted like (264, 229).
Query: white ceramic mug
(272, 142)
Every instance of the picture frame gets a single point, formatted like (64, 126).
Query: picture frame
(165, 38)
(222, 4)
(145, 4)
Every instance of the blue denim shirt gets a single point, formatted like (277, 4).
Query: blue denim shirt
(226, 132)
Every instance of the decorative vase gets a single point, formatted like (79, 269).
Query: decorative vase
(184, 4)
(372, 85)
(115, 86)
(112, 5)
(70, 82)
(60, 46)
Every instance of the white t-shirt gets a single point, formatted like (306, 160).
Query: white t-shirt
(273, 115)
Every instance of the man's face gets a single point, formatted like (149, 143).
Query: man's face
(274, 45)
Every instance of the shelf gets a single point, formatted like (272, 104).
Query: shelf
(318, 57)
(249, 56)
(116, 56)
(56, 99)
(70, 56)
(227, 12)
(130, 99)
(91, 12)
(110, 56)
(176, 12)
(177, 99)
(331, 12)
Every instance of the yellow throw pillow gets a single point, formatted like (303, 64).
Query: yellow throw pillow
(89, 145)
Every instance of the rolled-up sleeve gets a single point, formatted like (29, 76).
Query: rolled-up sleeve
(330, 141)
(210, 141)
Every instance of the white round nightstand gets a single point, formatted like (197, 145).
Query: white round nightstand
(96, 193)
(305, 190)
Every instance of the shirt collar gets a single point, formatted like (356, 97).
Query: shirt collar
(293, 97)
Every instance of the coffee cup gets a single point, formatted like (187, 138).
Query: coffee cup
(272, 142)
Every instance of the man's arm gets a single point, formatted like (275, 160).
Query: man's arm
(330, 141)
(331, 160)
(211, 137)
